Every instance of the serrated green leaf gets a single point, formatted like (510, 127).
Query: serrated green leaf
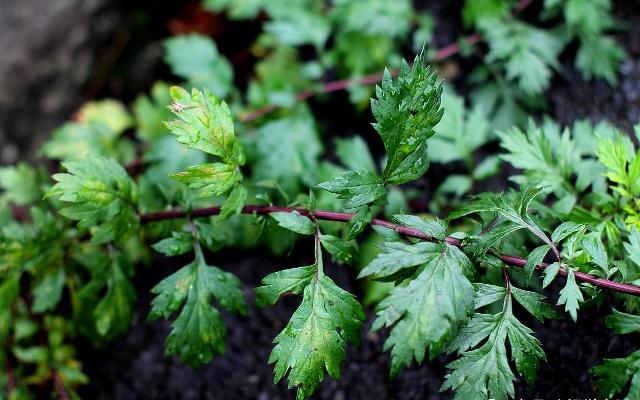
(632, 248)
(571, 296)
(599, 56)
(623, 323)
(359, 188)
(178, 243)
(205, 123)
(525, 349)
(623, 169)
(298, 26)
(547, 156)
(535, 258)
(481, 12)
(525, 196)
(483, 243)
(196, 58)
(199, 332)
(211, 179)
(412, 167)
(529, 53)
(598, 253)
(171, 292)
(485, 372)
(314, 339)
(534, 303)
(487, 294)
(427, 312)
(460, 132)
(37, 246)
(343, 250)
(435, 228)
(375, 17)
(295, 222)
(550, 274)
(615, 374)
(565, 229)
(278, 283)
(406, 111)
(514, 216)
(388, 234)
(234, 203)
(358, 222)
(395, 256)
(103, 197)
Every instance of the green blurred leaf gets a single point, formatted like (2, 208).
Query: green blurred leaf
(359, 188)
(295, 222)
(196, 58)
(178, 243)
(20, 184)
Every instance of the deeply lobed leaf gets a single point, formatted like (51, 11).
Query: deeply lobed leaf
(485, 372)
(199, 332)
(102, 194)
(204, 123)
(314, 339)
(406, 111)
(426, 312)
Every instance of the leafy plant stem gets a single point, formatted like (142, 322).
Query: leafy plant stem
(410, 232)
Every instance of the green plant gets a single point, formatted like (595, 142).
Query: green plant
(353, 38)
(221, 185)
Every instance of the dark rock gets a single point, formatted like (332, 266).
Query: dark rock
(49, 51)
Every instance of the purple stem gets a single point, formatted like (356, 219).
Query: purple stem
(344, 217)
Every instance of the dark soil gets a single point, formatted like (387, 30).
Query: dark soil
(134, 367)
(572, 98)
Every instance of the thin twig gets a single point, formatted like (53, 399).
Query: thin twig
(343, 84)
(344, 217)
(11, 379)
(59, 385)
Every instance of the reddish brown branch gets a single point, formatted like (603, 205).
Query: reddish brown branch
(344, 217)
(443, 53)
(343, 84)
(11, 379)
(59, 385)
